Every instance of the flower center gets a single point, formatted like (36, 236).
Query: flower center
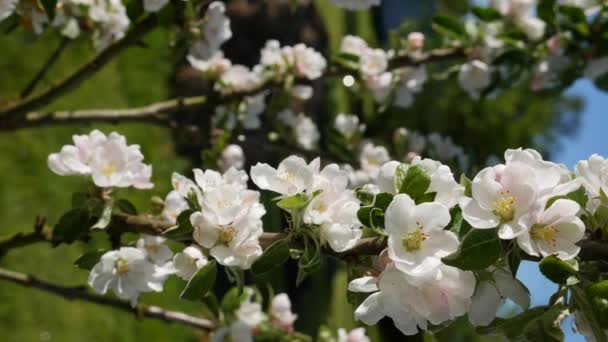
(227, 234)
(413, 241)
(544, 233)
(223, 204)
(152, 249)
(504, 207)
(108, 169)
(122, 267)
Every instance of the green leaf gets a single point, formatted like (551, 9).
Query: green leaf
(468, 185)
(309, 260)
(579, 196)
(89, 259)
(486, 13)
(597, 294)
(457, 224)
(479, 249)
(295, 202)
(135, 9)
(200, 283)
(125, 206)
(579, 298)
(274, 256)
(49, 8)
(511, 327)
(366, 198)
(232, 300)
(413, 181)
(448, 26)
(106, 217)
(545, 10)
(543, 328)
(183, 229)
(71, 226)
(555, 269)
(372, 216)
(513, 258)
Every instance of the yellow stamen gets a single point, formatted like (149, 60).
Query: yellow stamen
(227, 234)
(544, 233)
(504, 207)
(122, 267)
(108, 169)
(413, 241)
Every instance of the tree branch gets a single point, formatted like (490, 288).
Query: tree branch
(80, 293)
(14, 119)
(46, 67)
(86, 71)
(152, 113)
(123, 223)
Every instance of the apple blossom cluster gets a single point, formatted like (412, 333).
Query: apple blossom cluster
(331, 206)
(397, 86)
(107, 159)
(214, 32)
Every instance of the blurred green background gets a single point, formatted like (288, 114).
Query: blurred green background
(143, 75)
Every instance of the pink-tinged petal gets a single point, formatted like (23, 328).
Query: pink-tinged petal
(363, 284)
(485, 189)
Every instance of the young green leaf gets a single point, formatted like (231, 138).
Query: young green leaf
(479, 249)
(555, 269)
(486, 13)
(449, 27)
(274, 256)
(597, 294)
(413, 181)
(125, 206)
(71, 226)
(200, 283)
(89, 259)
(183, 229)
(295, 202)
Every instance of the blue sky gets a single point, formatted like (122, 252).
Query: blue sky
(592, 137)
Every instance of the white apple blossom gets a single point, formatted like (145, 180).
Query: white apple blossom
(355, 335)
(474, 77)
(353, 45)
(593, 174)
(371, 158)
(250, 312)
(334, 209)
(188, 262)
(416, 239)
(109, 160)
(280, 311)
(492, 291)
(356, 4)
(232, 156)
(411, 82)
(156, 251)
(415, 40)
(237, 331)
(174, 205)
(127, 272)
(238, 78)
(215, 65)
(291, 177)
(373, 62)
(348, 125)
(215, 31)
(379, 85)
(154, 5)
(271, 56)
(548, 177)
(533, 27)
(553, 231)
(306, 61)
(414, 302)
(501, 196)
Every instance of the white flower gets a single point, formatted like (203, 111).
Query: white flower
(547, 177)
(356, 178)
(229, 224)
(448, 192)
(501, 196)
(379, 85)
(553, 231)
(593, 173)
(413, 302)
(412, 80)
(353, 45)
(386, 177)
(250, 313)
(185, 187)
(355, 335)
(215, 65)
(291, 177)
(415, 40)
(156, 251)
(280, 310)
(474, 77)
(254, 107)
(127, 272)
(348, 125)
(7, 7)
(492, 292)
(174, 205)
(272, 56)
(154, 5)
(302, 92)
(372, 157)
(209, 180)
(373, 62)
(356, 4)
(416, 239)
(307, 62)
(215, 31)
(238, 78)
(232, 156)
(515, 8)
(533, 27)
(306, 132)
(188, 262)
(109, 160)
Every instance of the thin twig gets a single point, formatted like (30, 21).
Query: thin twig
(83, 73)
(80, 293)
(45, 68)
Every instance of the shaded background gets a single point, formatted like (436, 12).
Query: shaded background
(565, 128)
